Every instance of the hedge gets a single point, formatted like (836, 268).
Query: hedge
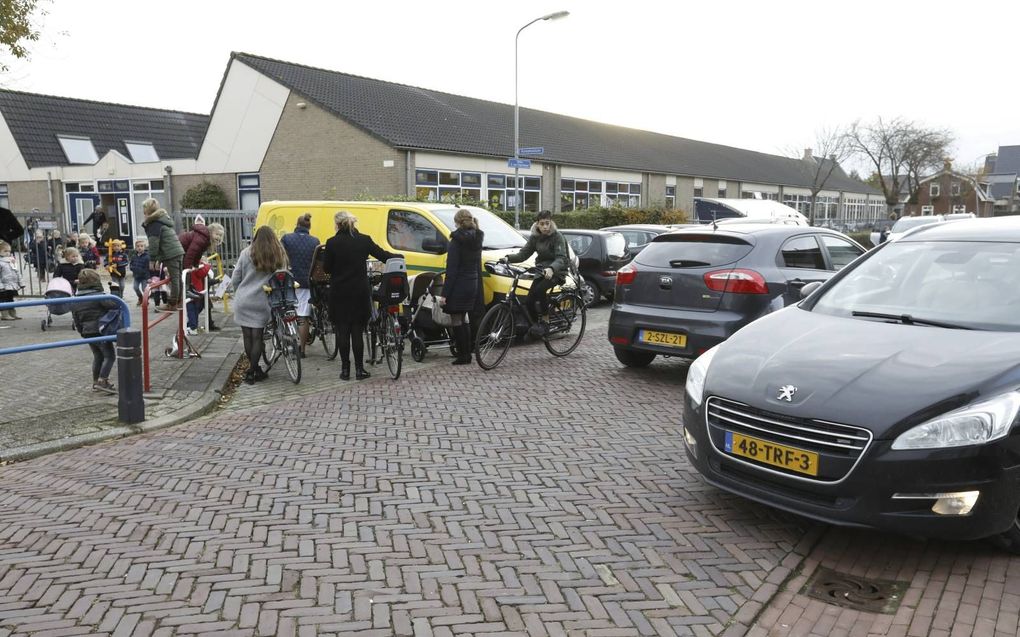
(595, 218)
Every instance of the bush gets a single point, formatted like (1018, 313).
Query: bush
(595, 218)
(205, 196)
(863, 238)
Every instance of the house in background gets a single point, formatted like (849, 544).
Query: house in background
(1003, 174)
(949, 192)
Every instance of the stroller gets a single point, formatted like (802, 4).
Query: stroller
(422, 330)
(58, 288)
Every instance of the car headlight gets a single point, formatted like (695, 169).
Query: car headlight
(696, 374)
(972, 425)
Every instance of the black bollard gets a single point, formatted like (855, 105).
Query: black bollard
(130, 405)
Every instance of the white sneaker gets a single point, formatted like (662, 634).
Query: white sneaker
(189, 331)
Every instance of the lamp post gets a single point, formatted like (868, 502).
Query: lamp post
(517, 117)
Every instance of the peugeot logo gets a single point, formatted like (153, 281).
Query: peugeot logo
(786, 393)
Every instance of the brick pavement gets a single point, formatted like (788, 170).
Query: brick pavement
(548, 497)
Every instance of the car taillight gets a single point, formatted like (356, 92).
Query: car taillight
(737, 281)
(626, 274)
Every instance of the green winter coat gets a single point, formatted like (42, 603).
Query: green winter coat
(163, 242)
(550, 250)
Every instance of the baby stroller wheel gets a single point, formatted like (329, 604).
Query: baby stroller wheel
(44, 325)
(49, 320)
(418, 350)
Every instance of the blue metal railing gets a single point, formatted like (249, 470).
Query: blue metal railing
(125, 315)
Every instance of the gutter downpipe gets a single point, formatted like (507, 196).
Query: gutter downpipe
(49, 193)
(411, 186)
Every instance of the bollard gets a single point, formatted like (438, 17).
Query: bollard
(130, 405)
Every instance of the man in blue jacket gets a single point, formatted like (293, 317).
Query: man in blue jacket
(300, 245)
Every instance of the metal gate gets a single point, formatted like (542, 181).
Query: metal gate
(237, 228)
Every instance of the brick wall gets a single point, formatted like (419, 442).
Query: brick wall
(26, 195)
(226, 181)
(314, 152)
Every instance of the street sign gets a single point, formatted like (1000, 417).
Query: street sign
(533, 150)
(518, 163)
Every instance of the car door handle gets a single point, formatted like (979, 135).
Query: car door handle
(796, 283)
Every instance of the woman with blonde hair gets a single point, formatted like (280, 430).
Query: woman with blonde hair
(70, 267)
(349, 295)
(254, 266)
(462, 290)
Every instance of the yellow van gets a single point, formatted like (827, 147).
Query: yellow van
(419, 231)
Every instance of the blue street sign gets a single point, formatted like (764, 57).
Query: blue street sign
(518, 163)
(533, 150)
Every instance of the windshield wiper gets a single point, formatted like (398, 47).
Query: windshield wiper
(907, 319)
(687, 263)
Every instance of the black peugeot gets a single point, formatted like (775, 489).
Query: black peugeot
(887, 398)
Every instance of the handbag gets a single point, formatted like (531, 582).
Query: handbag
(439, 317)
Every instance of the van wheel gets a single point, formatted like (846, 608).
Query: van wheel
(631, 358)
(1009, 540)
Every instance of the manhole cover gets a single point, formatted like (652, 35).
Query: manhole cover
(858, 593)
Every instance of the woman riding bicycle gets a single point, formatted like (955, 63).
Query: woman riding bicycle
(552, 256)
(349, 295)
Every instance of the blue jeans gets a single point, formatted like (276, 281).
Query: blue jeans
(102, 359)
(139, 286)
(195, 307)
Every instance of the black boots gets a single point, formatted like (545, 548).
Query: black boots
(360, 373)
(462, 337)
(345, 371)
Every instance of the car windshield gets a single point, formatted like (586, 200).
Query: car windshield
(498, 233)
(906, 223)
(967, 284)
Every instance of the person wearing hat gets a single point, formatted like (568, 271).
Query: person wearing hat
(550, 250)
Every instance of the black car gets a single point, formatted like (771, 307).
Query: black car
(887, 398)
(694, 288)
(600, 254)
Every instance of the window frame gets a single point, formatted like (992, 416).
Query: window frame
(142, 145)
(828, 254)
(247, 189)
(934, 189)
(5, 196)
(781, 256)
(80, 141)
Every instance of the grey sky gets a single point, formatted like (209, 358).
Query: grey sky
(758, 75)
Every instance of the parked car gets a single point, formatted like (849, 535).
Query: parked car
(902, 225)
(600, 254)
(692, 289)
(638, 235)
(888, 398)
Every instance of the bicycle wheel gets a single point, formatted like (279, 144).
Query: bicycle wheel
(393, 345)
(371, 344)
(270, 343)
(326, 333)
(568, 315)
(495, 334)
(290, 349)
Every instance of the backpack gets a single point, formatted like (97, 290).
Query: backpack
(110, 322)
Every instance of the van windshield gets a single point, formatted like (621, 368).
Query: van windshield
(499, 234)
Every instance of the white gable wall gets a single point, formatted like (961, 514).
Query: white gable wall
(243, 123)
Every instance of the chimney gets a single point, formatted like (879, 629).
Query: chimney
(947, 164)
(807, 154)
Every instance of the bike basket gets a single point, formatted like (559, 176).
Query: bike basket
(281, 289)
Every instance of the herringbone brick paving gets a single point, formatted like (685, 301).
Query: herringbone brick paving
(548, 497)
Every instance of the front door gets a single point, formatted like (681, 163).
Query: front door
(80, 206)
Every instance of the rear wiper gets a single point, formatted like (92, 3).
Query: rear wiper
(687, 263)
(907, 319)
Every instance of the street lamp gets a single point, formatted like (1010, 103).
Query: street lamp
(517, 118)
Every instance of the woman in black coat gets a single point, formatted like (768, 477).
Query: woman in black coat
(462, 289)
(349, 295)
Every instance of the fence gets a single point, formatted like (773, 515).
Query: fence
(237, 228)
(35, 277)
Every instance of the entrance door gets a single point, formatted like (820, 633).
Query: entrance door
(80, 206)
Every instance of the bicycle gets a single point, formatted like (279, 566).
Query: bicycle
(280, 334)
(384, 338)
(496, 329)
(320, 326)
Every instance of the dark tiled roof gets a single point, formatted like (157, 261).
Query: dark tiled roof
(408, 117)
(36, 120)
(1008, 160)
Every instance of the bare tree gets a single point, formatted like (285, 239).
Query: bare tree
(832, 148)
(900, 151)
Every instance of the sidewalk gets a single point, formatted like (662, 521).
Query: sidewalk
(46, 398)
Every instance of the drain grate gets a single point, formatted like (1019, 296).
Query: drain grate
(857, 593)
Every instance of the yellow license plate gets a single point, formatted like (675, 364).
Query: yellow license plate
(665, 339)
(789, 458)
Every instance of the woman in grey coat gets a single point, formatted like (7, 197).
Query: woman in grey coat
(256, 263)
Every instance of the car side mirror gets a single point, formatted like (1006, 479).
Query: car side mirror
(434, 246)
(809, 288)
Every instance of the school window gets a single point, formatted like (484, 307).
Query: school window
(578, 194)
(142, 190)
(671, 196)
(78, 150)
(699, 187)
(934, 190)
(623, 194)
(249, 191)
(444, 185)
(501, 195)
(407, 230)
(954, 189)
(141, 152)
(5, 198)
(722, 189)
